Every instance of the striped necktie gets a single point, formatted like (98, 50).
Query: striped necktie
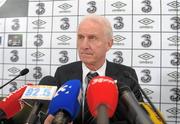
(87, 117)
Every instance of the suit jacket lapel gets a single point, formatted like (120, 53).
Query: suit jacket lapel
(111, 70)
(114, 71)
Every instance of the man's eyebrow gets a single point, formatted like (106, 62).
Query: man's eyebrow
(79, 35)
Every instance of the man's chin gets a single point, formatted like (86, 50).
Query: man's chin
(85, 61)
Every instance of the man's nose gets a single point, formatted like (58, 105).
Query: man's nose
(85, 43)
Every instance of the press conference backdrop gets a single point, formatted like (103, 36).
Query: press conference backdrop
(41, 35)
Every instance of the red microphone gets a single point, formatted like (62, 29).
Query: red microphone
(102, 98)
(12, 104)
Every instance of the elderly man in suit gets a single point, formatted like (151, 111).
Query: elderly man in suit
(94, 40)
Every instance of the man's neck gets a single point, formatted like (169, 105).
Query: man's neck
(94, 67)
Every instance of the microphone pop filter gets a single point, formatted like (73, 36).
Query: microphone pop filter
(102, 90)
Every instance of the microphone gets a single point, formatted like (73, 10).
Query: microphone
(33, 116)
(12, 104)
(136, 114)
(158, 115)
(153, 116)
(65, 105)
(102, 98)
(22, 73)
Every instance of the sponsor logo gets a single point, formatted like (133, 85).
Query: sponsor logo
(38, 73)
(146, 21)
(175, 75)
(14, 57)
(118, 40)
(65, 6)
(174, 4)
(176, 60)
(65, 24)
(147, 40)
(64, 56)
(176, 24)
(39, 40)
(174, 111)
(175, 40)
(63, 40)
(176, 95)
(119, 23)
(148, 91)
(92, 8)
(146, 56)
(147, 76)
(37, 55)
(16, 25)
(118, 5)
(13, 71)
(41, 9)
(118, 59)
(147, 6)
(39, 23)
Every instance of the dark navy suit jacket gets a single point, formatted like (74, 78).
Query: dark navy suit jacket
(115, 71)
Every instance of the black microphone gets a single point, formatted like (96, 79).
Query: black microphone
(33, 116)
(128, 75)
(22, 73)
(136, 114)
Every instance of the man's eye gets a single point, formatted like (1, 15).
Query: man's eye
(80, 37)
(92, 37)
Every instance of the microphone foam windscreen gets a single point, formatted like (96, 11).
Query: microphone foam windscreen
(102, 90)
(48, 80)
(12, 104)
(67, 98)
(24, 71)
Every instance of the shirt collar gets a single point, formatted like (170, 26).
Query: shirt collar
(100, 71)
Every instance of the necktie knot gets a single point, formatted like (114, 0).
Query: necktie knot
(91, 75)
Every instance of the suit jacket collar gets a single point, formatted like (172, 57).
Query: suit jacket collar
(111, 70)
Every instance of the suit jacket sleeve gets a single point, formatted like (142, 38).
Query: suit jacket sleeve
(135, 87)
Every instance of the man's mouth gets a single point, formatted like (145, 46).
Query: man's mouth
(86, 54)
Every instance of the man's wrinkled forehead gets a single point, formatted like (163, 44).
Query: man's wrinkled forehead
(89, 23)
(91, 27)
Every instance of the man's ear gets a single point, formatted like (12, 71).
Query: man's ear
(110, 43)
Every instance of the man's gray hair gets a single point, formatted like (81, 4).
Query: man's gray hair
(102, 21)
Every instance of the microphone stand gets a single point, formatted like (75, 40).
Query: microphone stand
(153, 107)
(10, 81)
(147, 98)
(23, 72)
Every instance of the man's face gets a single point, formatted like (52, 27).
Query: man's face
(92, 43)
